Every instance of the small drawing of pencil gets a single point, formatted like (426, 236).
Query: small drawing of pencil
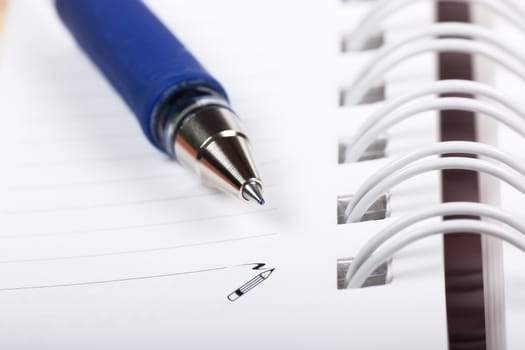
(245, 288)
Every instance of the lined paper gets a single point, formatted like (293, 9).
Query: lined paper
(82, 179)
(105, 243)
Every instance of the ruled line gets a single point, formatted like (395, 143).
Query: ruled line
(113, 205)
(119, 280)
(132, 134)
(119, 137)
(179, 174)
(142, 226)
(139, 251)
(94, 117)
(151, 154)
(73, 162)
(209, 193)
(84, 117)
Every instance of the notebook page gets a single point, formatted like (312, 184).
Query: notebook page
(105, 243)
(511, 201)
(77, 193)
(418, 269)
(95, 207)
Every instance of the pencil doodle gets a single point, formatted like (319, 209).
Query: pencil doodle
(254, 282)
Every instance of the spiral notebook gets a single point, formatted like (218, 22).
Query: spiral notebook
(100, 249)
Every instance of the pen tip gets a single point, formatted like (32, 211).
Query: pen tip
(252, 191)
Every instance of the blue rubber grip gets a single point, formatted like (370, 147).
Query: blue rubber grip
(141, 58)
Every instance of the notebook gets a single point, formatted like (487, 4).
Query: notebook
(511, 200)
(101, 249)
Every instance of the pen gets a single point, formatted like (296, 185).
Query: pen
(181, 108)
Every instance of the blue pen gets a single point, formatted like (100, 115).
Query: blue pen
(182, 109)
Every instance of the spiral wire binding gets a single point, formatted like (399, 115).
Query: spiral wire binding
(444, 209)
(362, 141)
(492, 52)
(435, 88)
(436, 38)
(441, 148)
(388, 249)
(382, 9)
(411, 46)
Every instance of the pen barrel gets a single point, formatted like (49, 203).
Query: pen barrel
(141, 58)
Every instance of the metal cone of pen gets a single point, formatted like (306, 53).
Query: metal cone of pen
(210, 142)
(182, 109)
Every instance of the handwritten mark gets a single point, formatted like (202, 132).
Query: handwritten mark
(256, 266)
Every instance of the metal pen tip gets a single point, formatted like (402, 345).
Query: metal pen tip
(252, 191)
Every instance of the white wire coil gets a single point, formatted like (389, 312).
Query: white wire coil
(440, 37)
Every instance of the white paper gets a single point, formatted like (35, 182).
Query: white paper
(105, 243)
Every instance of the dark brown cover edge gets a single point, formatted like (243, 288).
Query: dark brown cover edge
(463, 255)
